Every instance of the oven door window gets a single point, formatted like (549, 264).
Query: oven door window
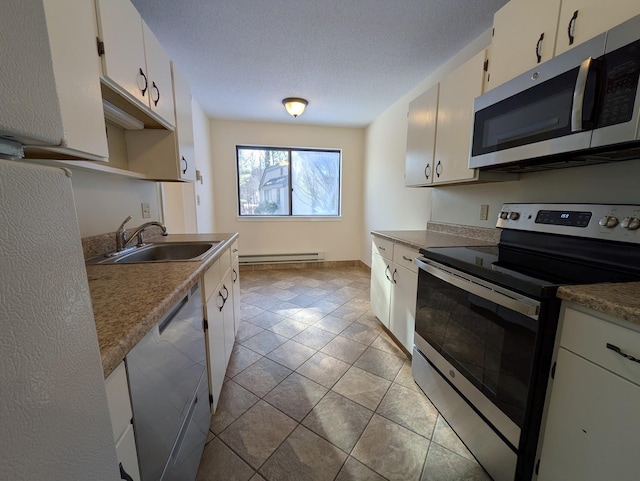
(492, 346)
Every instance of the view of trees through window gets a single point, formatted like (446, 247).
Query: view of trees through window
(288, 182)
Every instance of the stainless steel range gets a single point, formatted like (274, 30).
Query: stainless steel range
(486, 320)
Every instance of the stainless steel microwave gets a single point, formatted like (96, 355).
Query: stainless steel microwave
(579, 108)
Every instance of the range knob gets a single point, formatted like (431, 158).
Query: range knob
(514, 216)
(608, 221)
(630, 223)
(504, 215)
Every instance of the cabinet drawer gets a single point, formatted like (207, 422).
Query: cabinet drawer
(588, 336)
(382, 247)
(225, 261)
(234, 251)
(403, 256)
(126, 453)
(118, 401)
(211, 279)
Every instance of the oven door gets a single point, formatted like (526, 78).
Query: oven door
(481, 338)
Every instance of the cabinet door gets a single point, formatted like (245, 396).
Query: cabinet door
(160, 84)
(592, 18)
(184, 125)
(126, 452)
(380, 287)
(592, 426)
(517, 31)
(215, 345)
(421, 137)
(455, 121)
(403, 305)
(123, 63)
(227, 316)
(235, 272)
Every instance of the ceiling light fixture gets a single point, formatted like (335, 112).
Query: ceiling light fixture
(294, 105)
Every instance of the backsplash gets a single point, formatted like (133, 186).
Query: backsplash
(481, 233)
(100, 244)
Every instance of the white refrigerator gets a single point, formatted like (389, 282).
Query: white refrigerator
(54, 419)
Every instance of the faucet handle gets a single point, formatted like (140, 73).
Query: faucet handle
(121, 228)
(121, 235)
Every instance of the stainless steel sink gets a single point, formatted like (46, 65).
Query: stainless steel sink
(160, 252)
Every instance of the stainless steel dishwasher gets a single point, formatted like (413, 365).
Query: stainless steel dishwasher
(169, 393)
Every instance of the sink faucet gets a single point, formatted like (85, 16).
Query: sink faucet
(121, 234)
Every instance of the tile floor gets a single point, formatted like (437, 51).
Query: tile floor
(316, 390)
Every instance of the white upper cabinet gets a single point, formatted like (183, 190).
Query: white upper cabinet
(184, 126)
(134, 64)
(421, 138)
(50, 80)
(160, 84)
(524, 35)
(581, 20)
(455, 121)
(440, 122)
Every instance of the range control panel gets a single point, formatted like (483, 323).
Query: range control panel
(614, 222)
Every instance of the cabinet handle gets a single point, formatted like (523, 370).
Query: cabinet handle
(155, 87)
(438, 169)
(381, 248)
(538, 47)
(146, 83)
(427, 171)
(223, 301)
(227, 291)
(186, 164)
(124, 475)
(571, 29)
(235, 276)
(618, 351)
(407, 259)
(393, 276)
(385, 273)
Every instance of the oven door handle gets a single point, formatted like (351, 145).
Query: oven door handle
(486, 290)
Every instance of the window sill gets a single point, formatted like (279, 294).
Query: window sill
(286, 218)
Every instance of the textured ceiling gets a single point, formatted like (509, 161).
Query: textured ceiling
(351, 59)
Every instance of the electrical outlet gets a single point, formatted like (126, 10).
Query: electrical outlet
(484, 212)
(198, 199)
(146, 210)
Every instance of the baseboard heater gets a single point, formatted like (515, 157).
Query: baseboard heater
(281, 258)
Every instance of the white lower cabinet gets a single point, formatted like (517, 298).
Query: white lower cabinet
(394, 283)
(221, 323)
(592, 419)
(235, 272)
(121, 422)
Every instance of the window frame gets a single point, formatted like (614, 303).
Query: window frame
(290, 215)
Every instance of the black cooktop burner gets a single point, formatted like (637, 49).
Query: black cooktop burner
(537, 264)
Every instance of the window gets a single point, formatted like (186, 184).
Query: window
(288, 182)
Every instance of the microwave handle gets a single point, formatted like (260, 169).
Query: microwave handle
(578, 95)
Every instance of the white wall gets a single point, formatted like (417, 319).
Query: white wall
(339, 239)
(388, 204)
(205, 211)
(103, 201)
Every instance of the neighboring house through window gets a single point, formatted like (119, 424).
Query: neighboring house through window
(288, 182)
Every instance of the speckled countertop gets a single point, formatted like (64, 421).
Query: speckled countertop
(129, 299)
(442, 235)
(617, 300)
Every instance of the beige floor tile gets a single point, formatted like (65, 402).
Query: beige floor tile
(258, 300)
(304, 456)
(369, 319)
(303, 300)
(405, 377)
(344, 349)
(296, 396)
(348, 313)
(323, 369)
(247, 330)
(288, 328)
(285, 309)
(247, 311)
(308, 315)
(380, 363)
(264, 342)
(325, 307)
(291, 354)
(234, 402)
(338, 420)
(399, 458)
(385, 343)
(266, 319)
(257, 477)
(314, 337)
(220, 462)
(241, 358)
(258, 433)
(362, 387)
(262, 376)
(354, 470)
(445, 465)
(410, 409)
(360, 333)
(332, 324)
